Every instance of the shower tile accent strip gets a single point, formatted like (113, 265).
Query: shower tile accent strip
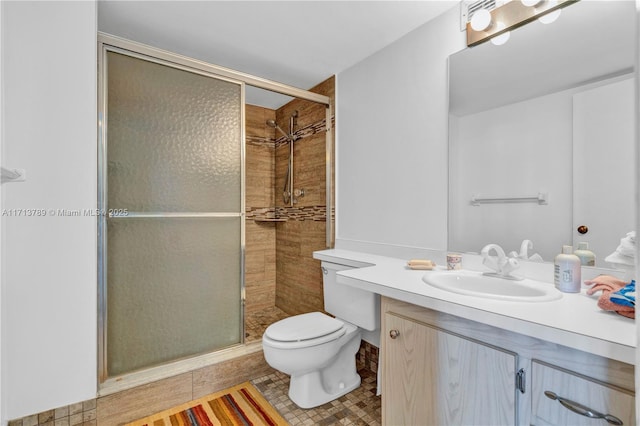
(305, 132)
(300, 134)
(315, 213)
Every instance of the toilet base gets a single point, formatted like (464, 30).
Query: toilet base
(321, 386)
(300, 387)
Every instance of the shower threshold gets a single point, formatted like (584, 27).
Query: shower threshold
(138, 378)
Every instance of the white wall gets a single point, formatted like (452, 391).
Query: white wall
(49, 263)
(604, 113)
(3, 419)
(505, 152)
(391, 155)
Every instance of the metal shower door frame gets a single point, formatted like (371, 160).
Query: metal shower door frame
(107, 43)
(103, 207)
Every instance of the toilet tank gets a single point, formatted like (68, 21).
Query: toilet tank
(359, 307)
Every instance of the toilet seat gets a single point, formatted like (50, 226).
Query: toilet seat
(304, 330)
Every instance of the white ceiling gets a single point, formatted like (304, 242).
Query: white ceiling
(299, 43)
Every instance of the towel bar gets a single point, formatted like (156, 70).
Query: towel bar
(541, 198)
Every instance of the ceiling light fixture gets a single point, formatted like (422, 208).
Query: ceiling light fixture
(510, 16)
(481, 21)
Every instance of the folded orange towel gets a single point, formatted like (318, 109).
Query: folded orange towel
(605, 281)
(609, 284)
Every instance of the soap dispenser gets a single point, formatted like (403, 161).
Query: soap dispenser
(586, 256)
(566, 275)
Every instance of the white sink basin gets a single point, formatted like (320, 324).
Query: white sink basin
(472, 283)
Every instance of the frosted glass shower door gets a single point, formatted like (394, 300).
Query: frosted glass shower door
(173, 232)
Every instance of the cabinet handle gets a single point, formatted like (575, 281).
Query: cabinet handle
(578, 408)
(394, 334)
(521, 380)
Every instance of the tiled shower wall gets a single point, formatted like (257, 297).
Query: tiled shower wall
(280, 269)
(299, 277)
(260, 237)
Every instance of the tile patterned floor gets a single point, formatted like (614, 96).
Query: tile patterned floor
(359, 407)
(255, 323)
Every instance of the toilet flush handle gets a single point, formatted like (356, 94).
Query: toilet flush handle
(324, 270)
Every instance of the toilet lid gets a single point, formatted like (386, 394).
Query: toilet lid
(303, 327)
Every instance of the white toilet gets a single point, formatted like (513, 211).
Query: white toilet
(318, 351)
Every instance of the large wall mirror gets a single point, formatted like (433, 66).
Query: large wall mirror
(541, 137)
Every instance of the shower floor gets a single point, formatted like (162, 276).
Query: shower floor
(255, 323)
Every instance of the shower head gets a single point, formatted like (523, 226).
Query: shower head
(272, 123)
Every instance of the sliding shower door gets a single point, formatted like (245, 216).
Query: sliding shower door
(171, 228)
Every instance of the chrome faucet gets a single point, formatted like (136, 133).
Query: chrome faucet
(500, 263)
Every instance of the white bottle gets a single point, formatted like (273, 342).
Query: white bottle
(586, 256)
(566, 275)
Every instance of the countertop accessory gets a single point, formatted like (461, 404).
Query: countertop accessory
(566, 275)
(586, 256)
(454, 261)
(421, 264)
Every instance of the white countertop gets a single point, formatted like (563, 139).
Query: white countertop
(574, 320)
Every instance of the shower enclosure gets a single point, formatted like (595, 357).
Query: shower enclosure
(171, 208)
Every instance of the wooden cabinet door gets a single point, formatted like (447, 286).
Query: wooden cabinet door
(578, 392)
(432, 377)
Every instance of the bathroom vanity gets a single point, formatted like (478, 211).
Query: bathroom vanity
(455, 359)
(441, 369)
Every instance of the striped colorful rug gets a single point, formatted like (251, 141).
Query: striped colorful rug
(240, 405)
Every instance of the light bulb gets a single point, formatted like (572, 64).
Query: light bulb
(481, 20)
(550, 17)
(501, 39)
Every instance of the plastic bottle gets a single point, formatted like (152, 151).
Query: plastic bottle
(586, 256)
(566, 275)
